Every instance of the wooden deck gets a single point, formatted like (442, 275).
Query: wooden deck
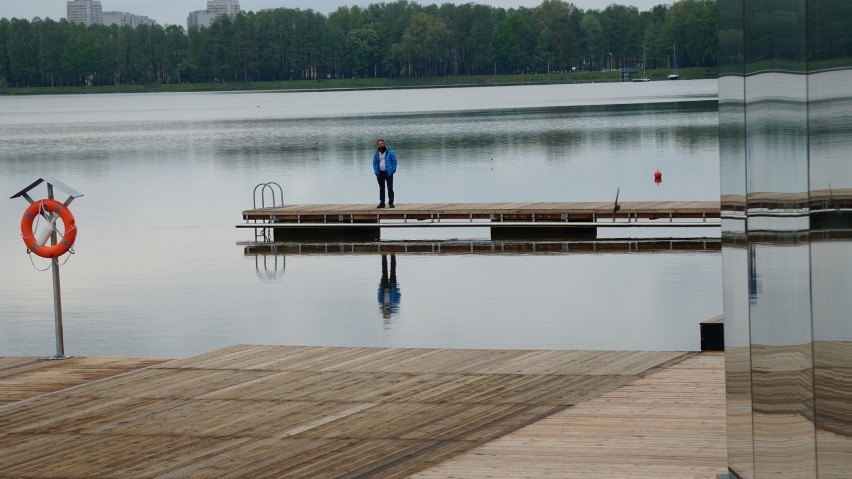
(492, 212)
(816, 200)
(267, 411)
(668, 425)
(23, 378)
(361, 222)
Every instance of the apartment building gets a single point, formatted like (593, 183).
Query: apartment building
(88, 12)
(215, 8)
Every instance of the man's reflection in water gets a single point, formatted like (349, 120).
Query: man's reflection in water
(389, 294)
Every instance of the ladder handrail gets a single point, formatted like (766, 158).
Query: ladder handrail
(267, 186)
(265, 232)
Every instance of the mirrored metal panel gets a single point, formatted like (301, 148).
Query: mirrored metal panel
(831, 271)
(830, 141)
(781, 356)
(788, 358)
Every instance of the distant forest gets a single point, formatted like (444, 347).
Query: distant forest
(396, 39)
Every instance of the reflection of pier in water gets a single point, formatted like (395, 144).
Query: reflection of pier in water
(269, 267)
(485, 247)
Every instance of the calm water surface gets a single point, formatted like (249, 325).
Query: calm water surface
(158, 271)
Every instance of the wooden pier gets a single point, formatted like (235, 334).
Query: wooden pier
(667, 425)
(360, 222)
(24, 378)
(277, 412)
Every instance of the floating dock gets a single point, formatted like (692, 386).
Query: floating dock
(541, 221)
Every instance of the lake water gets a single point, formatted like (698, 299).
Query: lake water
(158, 270)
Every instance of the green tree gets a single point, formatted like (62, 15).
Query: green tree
(78, 59)
(559, 18)
(5, 66)
(621, 27)
(102, 41)
(22, 54)
(543, 50)
(50, 38)
(592, 43)
(247, 54)
(425, 44)
(177, 50)
(130, 59)
(220, 54)
(511, 47)
(363, 51)
(471, 26)
(396, 38)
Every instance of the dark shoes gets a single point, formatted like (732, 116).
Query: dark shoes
(382, 205)
(391, 205)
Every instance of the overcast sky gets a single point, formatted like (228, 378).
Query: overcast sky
(175, 11)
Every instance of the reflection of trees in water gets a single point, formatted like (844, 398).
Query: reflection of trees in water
(23, 161)
(467, 136)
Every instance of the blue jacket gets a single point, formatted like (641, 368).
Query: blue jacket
(394, 295)
(390, 162)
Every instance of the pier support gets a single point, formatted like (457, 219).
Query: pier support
(831, 220)
(713, 334)
(542, 234)
(335, 234)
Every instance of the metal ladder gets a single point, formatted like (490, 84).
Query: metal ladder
(277, 198)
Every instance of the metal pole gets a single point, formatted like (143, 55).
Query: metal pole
(57, 307)
(57, 298)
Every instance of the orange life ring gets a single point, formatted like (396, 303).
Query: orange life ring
(51, 206)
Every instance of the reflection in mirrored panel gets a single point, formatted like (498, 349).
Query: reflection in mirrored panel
(737, 356)
(732, 153)
(830, 141)
(796, 137)
(781, 358)
(736, 280)
(829, 43)
(831, 272)
(774, 35)
(777, 141)
(830, 102)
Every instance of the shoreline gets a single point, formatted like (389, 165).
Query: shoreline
(364, 84)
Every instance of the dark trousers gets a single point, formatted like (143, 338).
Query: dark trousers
(384, 178)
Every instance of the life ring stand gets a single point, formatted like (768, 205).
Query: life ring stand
(51, 206)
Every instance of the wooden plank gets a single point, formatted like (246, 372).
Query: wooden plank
(669, 425)
(274, 411)
(638, 207)
(24, 378)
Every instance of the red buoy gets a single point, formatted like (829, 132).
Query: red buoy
(658, 177)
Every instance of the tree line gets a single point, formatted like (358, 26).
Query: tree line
(396, 39)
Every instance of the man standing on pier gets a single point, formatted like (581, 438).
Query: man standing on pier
(384, 166)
